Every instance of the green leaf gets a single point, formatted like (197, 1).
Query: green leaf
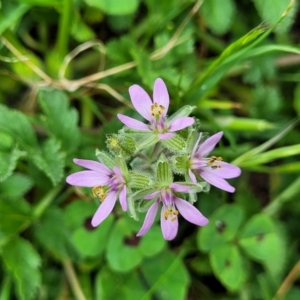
(50, 160)
(271, 10)
(144, 66)
(15, 186)
(223, 226)
(8, 162)
(23, 262)
(110, 285)
(115, 7)
(218, 15)
(167, 276)
(60, 120)
(15, 214)
(122, 236)
(21, 130)
(52, 234)
(227, 264)
(258, 238)
(10, 13)
(152, 243)
(297, 99)
(91, 242)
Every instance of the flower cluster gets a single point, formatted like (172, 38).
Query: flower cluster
(143, 160)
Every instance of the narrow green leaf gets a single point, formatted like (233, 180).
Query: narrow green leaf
(272, 155)
(271, 10)
(60, 120)
(10, 13)
(286, 195)
(23, 262)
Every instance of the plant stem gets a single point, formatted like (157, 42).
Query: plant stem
(72, 279)
(45, 202)
(64, 27)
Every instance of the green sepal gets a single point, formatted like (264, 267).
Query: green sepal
(176, 143)
(181, 164)
(121, 163)
(149, 141)
(131, 210)
(105, 158)
(138, 180)
(128, 145)
(121, 144)
(195, 187)
(163, 172)
(184, 111)
(142, 193)
(144, 205)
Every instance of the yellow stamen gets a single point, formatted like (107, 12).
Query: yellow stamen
(213, 162)
(98, 191)
(157, 110)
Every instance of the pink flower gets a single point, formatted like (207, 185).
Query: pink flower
(97, 176)
(212, 169)
(155, 112)
(169, 213)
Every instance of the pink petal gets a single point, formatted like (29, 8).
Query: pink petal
(141, 101)
(169, 228)
(149, 219)
(179, 188)
(216, 181)
(122, 198)
(181, 123)
(117, 171)
(207, 146)
(190, 212)
(87, 179)
(152, 195)
(226, 171)
(92, 165)
(165, 136)
(192, 176)
(161, 95)
(196, 145)
(133, 123)
(104, 209)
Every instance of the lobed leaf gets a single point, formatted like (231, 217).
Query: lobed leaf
(60, 119)
(50, 160)
(23, 262)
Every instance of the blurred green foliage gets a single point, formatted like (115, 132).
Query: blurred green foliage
(65, 69)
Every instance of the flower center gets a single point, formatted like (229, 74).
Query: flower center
(98, 191)
(156, 110)
(172, 213)
(214, 162)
